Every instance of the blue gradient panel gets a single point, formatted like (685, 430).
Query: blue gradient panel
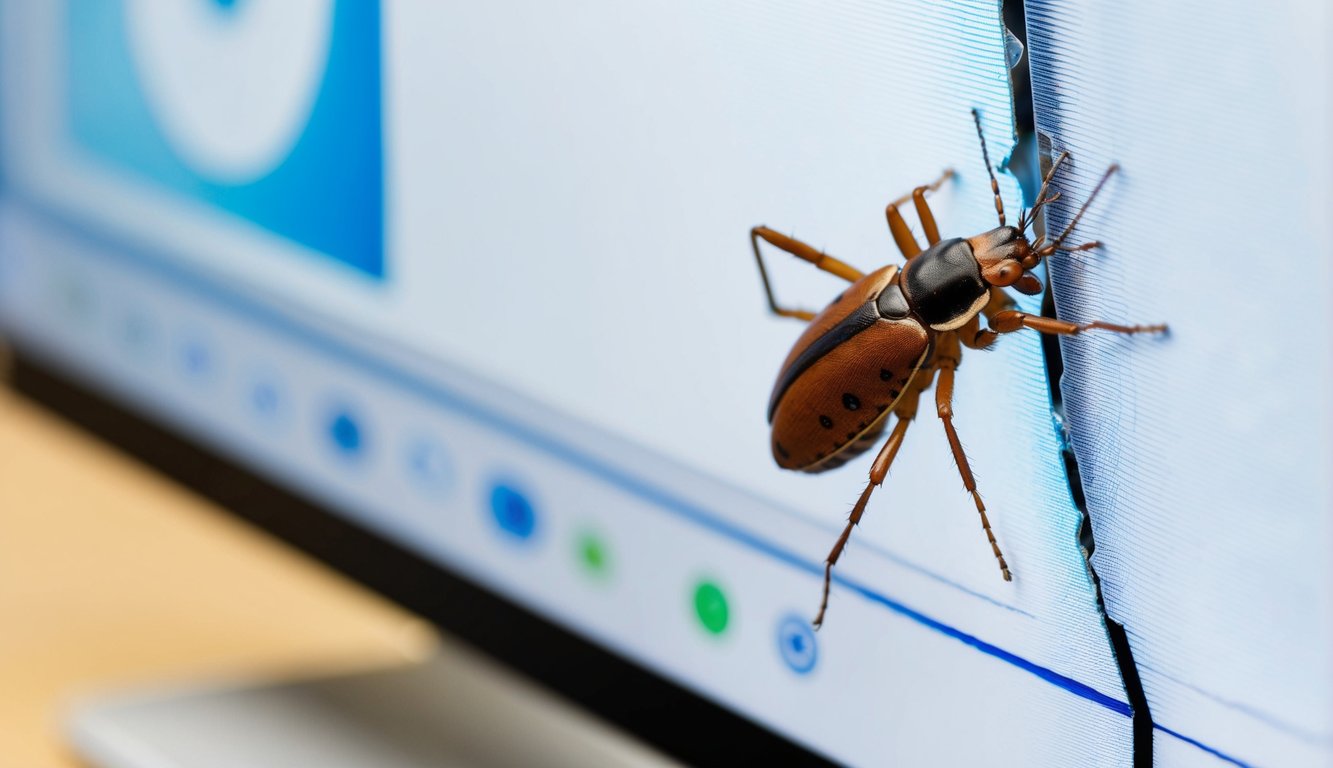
(326, 194)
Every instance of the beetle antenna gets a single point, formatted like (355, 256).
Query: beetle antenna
(985, 155)
(1050, 174)
(1059, 241)
(1044, 199)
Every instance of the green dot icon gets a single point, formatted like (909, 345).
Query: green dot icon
(593, 554)
(710, 605)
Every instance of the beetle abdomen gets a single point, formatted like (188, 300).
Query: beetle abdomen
(833, 409)
(862, 443)
(836, 314)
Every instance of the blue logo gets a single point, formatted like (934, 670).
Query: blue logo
(264, 398)
(198, 360)
(268, 110)
(267, 398)
(513, 512)
(345, 433)
(796, 644)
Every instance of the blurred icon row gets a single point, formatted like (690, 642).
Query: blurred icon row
(348, 435)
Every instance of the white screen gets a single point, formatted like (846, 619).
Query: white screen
(479, 276)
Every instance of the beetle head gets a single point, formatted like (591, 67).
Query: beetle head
(1005, 257)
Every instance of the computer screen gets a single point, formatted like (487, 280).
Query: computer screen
(478, 278)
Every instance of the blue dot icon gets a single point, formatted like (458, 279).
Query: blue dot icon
(429, 466)
(265, 399)
(346, 434)
(197, 359)
(796, 644)
(513, 512)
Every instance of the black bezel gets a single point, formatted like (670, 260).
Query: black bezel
(653, 708)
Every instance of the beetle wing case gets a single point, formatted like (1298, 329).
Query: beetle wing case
(842, 378)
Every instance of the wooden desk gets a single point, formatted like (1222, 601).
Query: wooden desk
(111, 575)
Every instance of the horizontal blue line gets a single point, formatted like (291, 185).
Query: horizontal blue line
(267, 316)
(1201, 745)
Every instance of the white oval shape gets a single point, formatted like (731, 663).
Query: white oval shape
(232, 88)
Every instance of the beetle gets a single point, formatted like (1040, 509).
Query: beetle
(897, 331)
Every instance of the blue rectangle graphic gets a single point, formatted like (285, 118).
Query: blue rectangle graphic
(269, 111)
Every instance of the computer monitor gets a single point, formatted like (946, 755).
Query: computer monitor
(460, 298)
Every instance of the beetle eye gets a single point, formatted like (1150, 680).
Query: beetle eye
(1004, 273)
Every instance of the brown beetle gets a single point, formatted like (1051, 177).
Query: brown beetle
(882, 342)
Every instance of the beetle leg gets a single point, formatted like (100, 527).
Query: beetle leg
(1011, 320)
(973, 337)
(926, 216)
(945, 175)
(984, 338)
(902, 236)
(800, 250)
(947, 357)
(923, 212)
(878, 471)
(999, 301)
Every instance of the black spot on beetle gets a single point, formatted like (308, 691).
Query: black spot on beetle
(881, 408)
(885, 374)
(826, 422)
(851, 435)
(782, 451)
(850, 402)
(893, 393)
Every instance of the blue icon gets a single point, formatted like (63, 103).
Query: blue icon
(267, 111)
(197, 359)
(513, 512)
(429, 466)
(346, 433)
(796, 644)
(267, 399)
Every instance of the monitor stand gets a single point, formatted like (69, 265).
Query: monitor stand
(458, 709)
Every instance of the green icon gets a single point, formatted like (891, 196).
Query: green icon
(710, 605)
(594, 555)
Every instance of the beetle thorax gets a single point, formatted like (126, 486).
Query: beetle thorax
(943, 285)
